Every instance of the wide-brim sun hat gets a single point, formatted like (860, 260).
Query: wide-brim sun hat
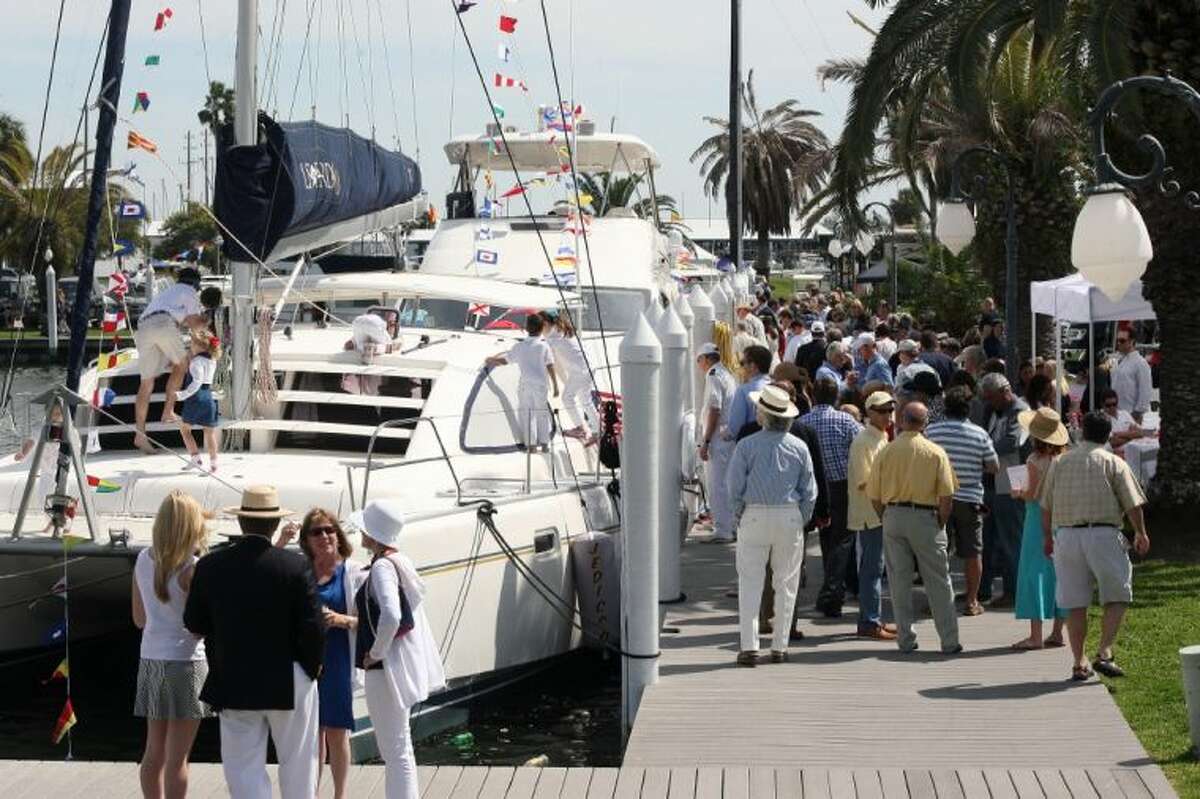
(259, 502)
(382, 520)
(1046, 425)
(774, 401)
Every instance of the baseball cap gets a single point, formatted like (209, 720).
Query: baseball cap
(709, 349)
(879, 399)
(817, 327)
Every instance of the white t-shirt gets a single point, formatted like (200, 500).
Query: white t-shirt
(202, 369)
(164, 637)
(886, 347)
(720, 391)
(568, 354)
(794, 343)
(1120, 424)
(369, 328)
(532, 355)
(180, 300)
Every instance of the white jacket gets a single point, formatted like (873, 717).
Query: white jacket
(412, 663)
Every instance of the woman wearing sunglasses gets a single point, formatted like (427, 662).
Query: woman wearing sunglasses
(321, 538)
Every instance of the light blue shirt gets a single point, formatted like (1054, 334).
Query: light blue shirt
(827, 370)
(742, 412)
(877, 369)
(772, 468)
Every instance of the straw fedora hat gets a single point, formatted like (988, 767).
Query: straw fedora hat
(259, 502)
(382, 520)
(1044, 424)
(775, 402)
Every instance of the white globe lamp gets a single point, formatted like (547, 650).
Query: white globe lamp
(1111, 246)
(955, 225)
(835, 248)
(864, 242)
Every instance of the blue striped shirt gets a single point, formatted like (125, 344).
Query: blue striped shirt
(969, 448)
(742, 412)
(836, 431)
(772, 468)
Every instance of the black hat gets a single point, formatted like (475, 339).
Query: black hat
(926, 382)
(189, 276)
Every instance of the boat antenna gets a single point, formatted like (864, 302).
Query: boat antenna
(733, 183)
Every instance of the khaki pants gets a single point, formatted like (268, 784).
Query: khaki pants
(768, 534)
(909, 533)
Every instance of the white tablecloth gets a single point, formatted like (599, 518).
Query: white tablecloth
(1142, 456)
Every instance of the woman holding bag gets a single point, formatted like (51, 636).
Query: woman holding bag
(395, 645)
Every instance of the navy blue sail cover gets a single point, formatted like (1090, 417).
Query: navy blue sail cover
(302, 176)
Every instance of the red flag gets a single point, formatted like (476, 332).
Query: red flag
(503, 81)
(514, 191)
(66, 720)
(161, 19)
(508, 24)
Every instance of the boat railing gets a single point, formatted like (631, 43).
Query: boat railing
(445, 456)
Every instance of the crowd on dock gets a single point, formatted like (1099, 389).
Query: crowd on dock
(276, 642)
(900, 445)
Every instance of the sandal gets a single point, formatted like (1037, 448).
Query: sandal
(1081, 673)
(1025, 645)
(1053, 643)
(1108, 667)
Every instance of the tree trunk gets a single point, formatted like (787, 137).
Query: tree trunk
(762, 259)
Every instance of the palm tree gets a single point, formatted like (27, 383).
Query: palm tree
(625, 191)
(218, 108)
(785, 158)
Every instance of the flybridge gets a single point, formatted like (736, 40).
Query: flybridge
(538, 151)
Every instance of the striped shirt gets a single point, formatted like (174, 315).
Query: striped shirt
(836, 431)
(969, 448)
(772, 468)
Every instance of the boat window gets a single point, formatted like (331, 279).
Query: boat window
(460, 315)
(618, 308)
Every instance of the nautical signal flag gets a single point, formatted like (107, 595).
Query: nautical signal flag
(466, 5)
(112, 322)
(59, 673)
(131, 209)
(115, 359)
(141, 101)
(160, 21)
(514, 191)
(124, 247)
(66, 720)
(151, 61)
(503, 52)
(118, 283)
(508, 24)
(489, 257)
(139, 141)
(488, 209)
(505, 82)
(102, 486)
(479, 309)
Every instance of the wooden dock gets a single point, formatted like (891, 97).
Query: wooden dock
(845, 719)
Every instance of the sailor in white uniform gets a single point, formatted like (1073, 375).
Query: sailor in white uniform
(716, 448)
(532, 355)
(577, 378)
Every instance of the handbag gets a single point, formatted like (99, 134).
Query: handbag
(368, 610)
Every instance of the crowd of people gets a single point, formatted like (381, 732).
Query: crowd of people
(275, 643)
(901, 446)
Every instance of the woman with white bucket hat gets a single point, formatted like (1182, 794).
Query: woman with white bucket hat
(402, 662)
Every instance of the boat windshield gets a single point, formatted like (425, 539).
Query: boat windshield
(615, 308)
(442, 314)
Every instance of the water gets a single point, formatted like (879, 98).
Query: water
(570, 713)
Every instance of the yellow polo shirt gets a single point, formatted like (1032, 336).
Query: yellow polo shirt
(911, 469)
(865, 448)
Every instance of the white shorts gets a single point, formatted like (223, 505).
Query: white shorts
(159, 345)
(1084, 553)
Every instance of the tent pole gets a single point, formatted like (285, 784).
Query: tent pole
(1092, 362)
(1058, 365)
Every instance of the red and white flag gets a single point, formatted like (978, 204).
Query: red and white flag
(505, 82)
(118, 284)
(113, 321)
(480, 309)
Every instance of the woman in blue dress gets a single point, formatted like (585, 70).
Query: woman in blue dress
(1035, 571)
(321, 538)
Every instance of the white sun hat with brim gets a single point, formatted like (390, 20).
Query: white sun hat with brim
(382, 520)
(774, 401)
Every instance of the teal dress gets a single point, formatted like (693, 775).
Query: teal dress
(1035, 572)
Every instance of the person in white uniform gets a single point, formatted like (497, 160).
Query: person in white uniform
(716, 448)
(370, 336)
(160, 348)
(773, 491)
(402, 665)
(533, 356)
(577, 383)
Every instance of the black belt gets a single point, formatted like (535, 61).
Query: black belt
(916, 505)
(1087, 524)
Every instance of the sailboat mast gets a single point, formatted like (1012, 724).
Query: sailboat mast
(245, 129)
(733, 186)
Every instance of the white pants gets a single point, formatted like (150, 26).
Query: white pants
(392, 736)
(244, 746)
(772, 533)
(720, 452)
(533, 416)
(577, 400)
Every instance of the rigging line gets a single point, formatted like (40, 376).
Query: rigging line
(787, 26)
(274, 51)
(303, 53)
(37, 161)
(453, 71)
(314, 68)
(820, 31)
(537, 229)
(575, 183)
(277, 52)
(203, 40)
(370, 61)
(412, 80)
(387, 63)
(362, 78)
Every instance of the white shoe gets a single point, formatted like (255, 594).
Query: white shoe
(195, 463)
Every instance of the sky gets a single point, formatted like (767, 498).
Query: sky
(653, 68)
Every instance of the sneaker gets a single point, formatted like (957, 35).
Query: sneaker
(778, 657)
(194, 462)
(747, 659)
(954, 650)
(877, 633)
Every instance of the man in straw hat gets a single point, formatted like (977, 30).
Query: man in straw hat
(256, 607)
(1083, 497)
(745, 313)
(910, 486)
(773, 490)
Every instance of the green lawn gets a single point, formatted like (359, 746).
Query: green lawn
(1165, 615)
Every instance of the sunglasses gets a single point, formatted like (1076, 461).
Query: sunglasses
(325, 529)
(1110, 405)
(1122, 341)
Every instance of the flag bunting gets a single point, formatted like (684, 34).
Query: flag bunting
(139, 141)
(102, 486)
(66, 720)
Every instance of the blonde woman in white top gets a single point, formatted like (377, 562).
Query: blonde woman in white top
(172, 666)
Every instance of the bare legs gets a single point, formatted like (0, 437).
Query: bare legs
(164, 769)
(141, 410)
(1110, 625)
(1034, 641)
(1077, 624)
(173, 383)
(189, 441)
(211, 437)
(974, 569)
(335, 744)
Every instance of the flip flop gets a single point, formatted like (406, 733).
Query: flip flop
(1108, 667)
(1081, 673)
(1024, 646)
(1050, 643)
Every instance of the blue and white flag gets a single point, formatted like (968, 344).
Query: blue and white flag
(488, 257)
(131, 209)
(123, 248)
(487, 210)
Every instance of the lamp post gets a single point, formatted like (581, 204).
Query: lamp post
(892, 233)
(956, 229)
(1111, 246)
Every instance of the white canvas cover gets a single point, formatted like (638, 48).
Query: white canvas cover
(1074, 299)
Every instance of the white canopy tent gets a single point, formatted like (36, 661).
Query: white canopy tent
(1074, 299)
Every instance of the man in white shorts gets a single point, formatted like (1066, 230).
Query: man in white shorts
(532, 354)
(160, 347)
(1083, 497)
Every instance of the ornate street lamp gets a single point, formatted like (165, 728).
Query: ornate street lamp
(1110, 246)
(892, 233)
(956, 229)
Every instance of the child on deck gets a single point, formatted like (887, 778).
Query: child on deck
(199, 406)
(532, 354)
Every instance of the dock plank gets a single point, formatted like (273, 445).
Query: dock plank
(710, 782)
(737, 783)
(1026, 783)
(1131, 783)
(603, 783)
(841, 784)
(470, 784)
(656, 783)
(629, 783)
(1106, 787)
(946, 784)
(762, 782)
(550, 783)
(1052, 783)
(920, 784)
(495, 785)
(577, 782)
(1078, 783)
(683, 783)
(816, 783)
(523, 783)
(866, 784)
(1000, 783)
(1156, 782)
(974, 784)
(443, 782)
(893, 783)
(425, 775)
(789, 784)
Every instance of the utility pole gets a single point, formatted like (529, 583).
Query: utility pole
(86, 132)
(189, 162)
(733, 184)
(206, 202)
